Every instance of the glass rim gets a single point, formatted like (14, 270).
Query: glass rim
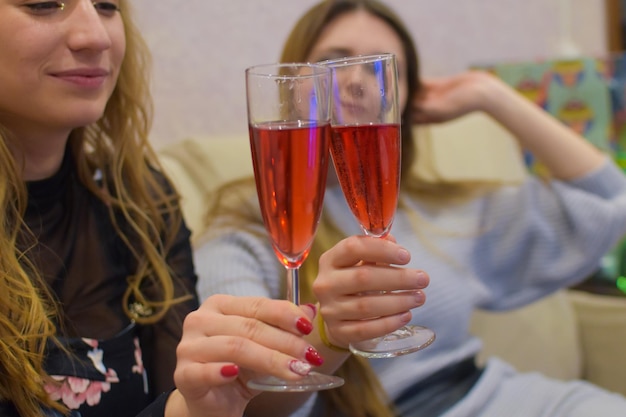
(272, 70)
(356, 59)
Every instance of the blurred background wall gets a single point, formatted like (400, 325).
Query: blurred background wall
(201, 47)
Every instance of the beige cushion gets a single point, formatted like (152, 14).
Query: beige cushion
(463, 151)
(542, 336)
(198, 166)
(602, 321)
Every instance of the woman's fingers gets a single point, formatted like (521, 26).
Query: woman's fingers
(345, 332)
(367, 278)
(360, 264)
(274, 324)
(362, 294)
(255, 333)
(281, 314)
(444, 99)
(228, 340)
(223, 358)
(355, 249)
(374, 305)
(238, 330)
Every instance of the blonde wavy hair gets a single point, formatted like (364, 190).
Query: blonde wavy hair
(117, 146)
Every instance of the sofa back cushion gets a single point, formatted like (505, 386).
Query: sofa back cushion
(198, 166)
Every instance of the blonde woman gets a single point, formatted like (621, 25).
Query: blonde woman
(96, 273)
(495, 249)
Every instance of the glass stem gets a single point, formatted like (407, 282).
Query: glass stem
(293, 286)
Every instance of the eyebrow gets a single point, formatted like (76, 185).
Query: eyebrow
(341, 52)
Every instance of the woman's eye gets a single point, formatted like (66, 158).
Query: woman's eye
(45, 6)
(373, 68)
(106, 7)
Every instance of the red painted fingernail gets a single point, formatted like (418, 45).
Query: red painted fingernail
(304, 325)
(229, 371)
(314, 357)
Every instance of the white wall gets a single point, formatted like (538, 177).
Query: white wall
(201, 47)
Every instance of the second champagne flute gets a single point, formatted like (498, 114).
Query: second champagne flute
(365, 148)
(289, 122)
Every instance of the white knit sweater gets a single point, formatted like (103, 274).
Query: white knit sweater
(497, 252)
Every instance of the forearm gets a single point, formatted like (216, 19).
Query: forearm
(565, 154)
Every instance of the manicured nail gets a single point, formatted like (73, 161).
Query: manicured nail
(404, 255)
(422, 279)
(229, 371)
(299, 367)
(304, 325)
(405, 318)
(314, 357)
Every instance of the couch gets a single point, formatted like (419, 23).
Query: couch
(569, 335)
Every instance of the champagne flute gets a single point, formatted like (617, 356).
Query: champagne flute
(289, 124)
(366, 149)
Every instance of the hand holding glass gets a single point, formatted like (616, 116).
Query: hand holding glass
(289, 122)
(366, 152)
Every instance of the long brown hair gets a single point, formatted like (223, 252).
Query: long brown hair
(117, 146)
(362, 395)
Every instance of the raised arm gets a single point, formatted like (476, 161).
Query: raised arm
(565, 154)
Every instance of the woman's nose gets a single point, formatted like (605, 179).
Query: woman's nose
(86, 29)
(352, 83)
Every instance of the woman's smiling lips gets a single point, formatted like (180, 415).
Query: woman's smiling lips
(83, 77)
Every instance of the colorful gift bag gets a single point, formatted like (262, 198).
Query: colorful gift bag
(616, 79)
(575, 91)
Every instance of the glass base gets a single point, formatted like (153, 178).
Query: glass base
(405, 340)
(312, 382)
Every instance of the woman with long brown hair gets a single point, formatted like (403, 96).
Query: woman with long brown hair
(96, 273)
(493, 248)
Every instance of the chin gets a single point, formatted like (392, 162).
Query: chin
(86, 116)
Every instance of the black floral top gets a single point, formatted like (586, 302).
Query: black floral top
(119, 368)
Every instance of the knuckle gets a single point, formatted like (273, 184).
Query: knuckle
(193, 320)
(234, 345)
(251, 328)
(181, 375)
(362, 306)
(256, 306)
(320, 287)
(362, 277)
(351, 244)
(323, 259)
(184, 348)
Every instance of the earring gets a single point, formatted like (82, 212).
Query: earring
(62, 6)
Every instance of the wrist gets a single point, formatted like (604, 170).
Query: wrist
(324, 336)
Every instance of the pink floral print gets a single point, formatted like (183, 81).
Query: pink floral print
(73, 392)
